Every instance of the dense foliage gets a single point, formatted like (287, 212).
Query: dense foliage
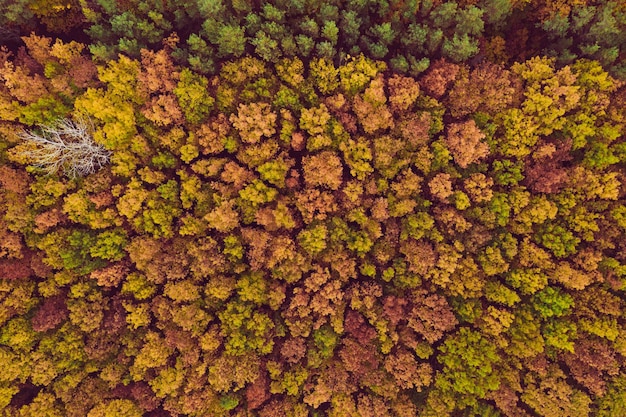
(325, 208)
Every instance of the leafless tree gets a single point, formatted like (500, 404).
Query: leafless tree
(68, 146)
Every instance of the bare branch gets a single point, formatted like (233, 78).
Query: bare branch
(66, 146)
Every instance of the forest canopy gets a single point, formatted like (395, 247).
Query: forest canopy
(301, 208)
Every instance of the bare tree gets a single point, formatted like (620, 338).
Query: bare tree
(67, 146)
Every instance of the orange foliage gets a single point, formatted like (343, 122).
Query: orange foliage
(465, 142)
(439, 78)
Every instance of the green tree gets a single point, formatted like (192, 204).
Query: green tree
(193, 97)
(313, 239)
(552, 302)
(559, 240)
(459, 48)
(231, 41)
(469, 361)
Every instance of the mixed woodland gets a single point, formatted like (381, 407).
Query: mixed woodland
(366, 208)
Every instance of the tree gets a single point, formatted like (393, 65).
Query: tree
(441, 186)
(254, 121)
(36, 88)
(430, 316)
(403, 92)
(439, 78)
(592, 363)
(614, 402)
(246, 329)
(122, 408)
(459, 48)
(545, 85)
(548, 392)
(470, 21)
(561, 241)
(266, 47)
(231, 41)
(465, 143)
(552, 302)
(468, 360)
(193, 97)
(114, 106)
(323, 169)
(371, 108)
(357, 73)
(315, 122)
(65, 146)
(324, 75)
(357, 154)
(487, 88)
(313, 240)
